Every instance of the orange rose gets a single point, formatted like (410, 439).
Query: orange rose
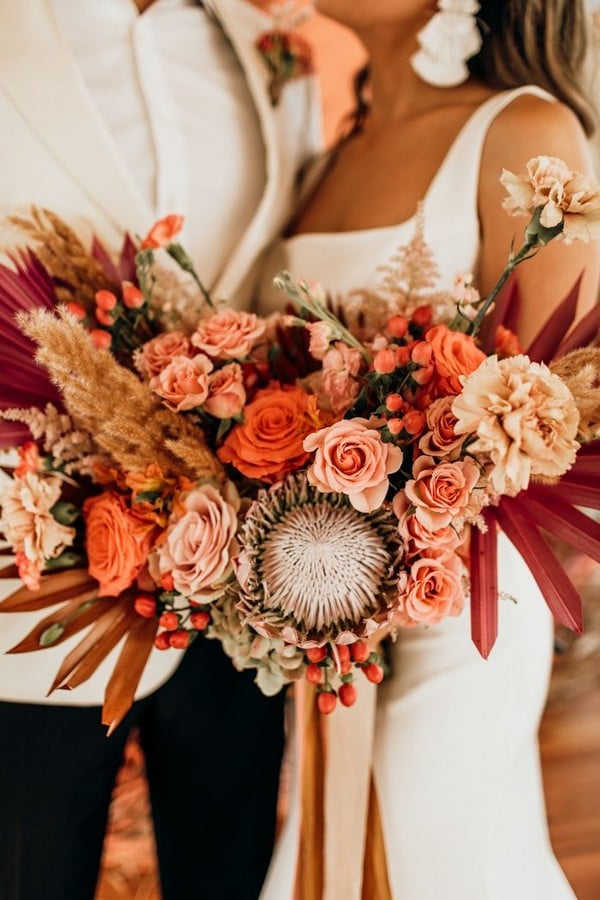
(454, 354)
(268, 444)
(117, 542)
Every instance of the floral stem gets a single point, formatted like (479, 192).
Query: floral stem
(177, 253)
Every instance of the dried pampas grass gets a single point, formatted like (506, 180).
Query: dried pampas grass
(78, 275)
(108, 401)
(580, 370)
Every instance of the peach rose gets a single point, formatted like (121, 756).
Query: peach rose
(350, 458)
(524, 417)
(432, 592)
(199, 545)
(267, 445)
(442, 492)
(226, 392)
(418, 538)
(183, 384)
(156, 355)
(28, 524)
(228, 334)
(341, 365)
(117, 542)
(454, 354)
(441, 439)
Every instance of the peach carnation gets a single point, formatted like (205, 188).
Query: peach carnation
(320, 338)
(442, 492)
(432, 591)
(199, 545)
(183, 384)
(117, 542)
(156, 355)
(341, 365)
(525, 420)
(226, 392)
(350, 458)
(228, 334)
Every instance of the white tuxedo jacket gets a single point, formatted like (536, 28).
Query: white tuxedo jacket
(56, 153)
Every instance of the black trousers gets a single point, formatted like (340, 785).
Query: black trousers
(213, 747)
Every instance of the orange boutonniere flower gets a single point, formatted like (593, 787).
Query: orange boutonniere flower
(287, 56)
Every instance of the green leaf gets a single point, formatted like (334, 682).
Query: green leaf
(65, 513)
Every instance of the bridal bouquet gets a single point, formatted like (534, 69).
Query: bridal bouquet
(296, 486)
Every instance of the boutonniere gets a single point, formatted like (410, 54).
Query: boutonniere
(285, 52)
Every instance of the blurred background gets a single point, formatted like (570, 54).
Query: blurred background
(570, 732)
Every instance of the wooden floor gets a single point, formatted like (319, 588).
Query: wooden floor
(570, 742)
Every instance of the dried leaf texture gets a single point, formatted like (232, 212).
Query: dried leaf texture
(77, 274)
(109, 402)
(580, 370)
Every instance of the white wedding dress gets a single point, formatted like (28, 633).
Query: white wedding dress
(454, 753)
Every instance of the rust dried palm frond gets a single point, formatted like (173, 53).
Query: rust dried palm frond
(77, 274)
(108, 401)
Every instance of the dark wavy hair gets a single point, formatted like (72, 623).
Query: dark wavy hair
(541, 42)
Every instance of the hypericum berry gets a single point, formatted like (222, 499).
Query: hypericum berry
(414, 421)
(347, 694)
(169, 621)
(394, 403)
(105, 318)
(77, 310)
(314, 674)
(421, 353)
(422, 316)
(132, 296)
(105, 300)
(402, 356)
(397, 326)
(326, 702)
(179, 639)
(395, 426)
(166, 581)
(384, 362)
(360, 651)
(374, 673)
(100, 339)
(145, 605)
(316, 654)
(162, 640)
(200, 620)
(343, 652)
(423, 375)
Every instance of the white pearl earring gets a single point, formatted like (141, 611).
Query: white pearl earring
(448, 40)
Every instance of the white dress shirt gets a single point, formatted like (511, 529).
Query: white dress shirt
(172, 95)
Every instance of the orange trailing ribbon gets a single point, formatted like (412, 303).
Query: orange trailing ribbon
(108, 620)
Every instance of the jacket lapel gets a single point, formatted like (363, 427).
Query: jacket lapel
(54, 101)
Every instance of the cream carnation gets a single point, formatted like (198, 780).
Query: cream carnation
(199, 545)
(351, 458)
(228, 334)
(525, 420)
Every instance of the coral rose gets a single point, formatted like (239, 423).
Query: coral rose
(117, 542)
(418, 538)
(441, 439)
(350, 458)
(454, 354)
(28, 524)
(156, 355)
(525, 419)
(442, 492)
(432, 592)
(183, 384)
(199, 545)
(268, 444)
(226, 392)
(228, 334)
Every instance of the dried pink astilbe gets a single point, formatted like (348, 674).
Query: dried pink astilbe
(73, 449)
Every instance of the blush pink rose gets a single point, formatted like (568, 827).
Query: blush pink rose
(160, 351)
(199, 545)
(442, 492)
(226, 392)
(183, 384)
(341, 365)
(228, 334)
(350, 458)
(432, 591)
(441, 439)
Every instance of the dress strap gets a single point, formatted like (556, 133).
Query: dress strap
(456, 184)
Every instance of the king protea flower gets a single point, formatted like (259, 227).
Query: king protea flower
(315, 569)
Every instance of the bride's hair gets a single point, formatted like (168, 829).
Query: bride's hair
(541, 42)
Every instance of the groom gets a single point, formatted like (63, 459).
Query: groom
(113, 114)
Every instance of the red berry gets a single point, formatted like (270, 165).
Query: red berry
(145, 605)
(384, 362)
(421, 353)
(105, 318)
(395, 426)
(316, 654)
(397, 326)
(422, 316)
(347, 694)
(162, 641)
(374, 673)
(414, 421)
(132, 296)
(179, 639)
(394, 403)
(314, 674)
(343, 652)
(105, 300)
(100, 339)
(200, 620)
(169, 621)
(77, 310)
(326, 702)
(360, 651)
(166, 580)
(402, 356)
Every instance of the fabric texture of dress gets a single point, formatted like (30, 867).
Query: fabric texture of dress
(454, 753)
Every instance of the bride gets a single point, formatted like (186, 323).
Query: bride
(454, 752)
